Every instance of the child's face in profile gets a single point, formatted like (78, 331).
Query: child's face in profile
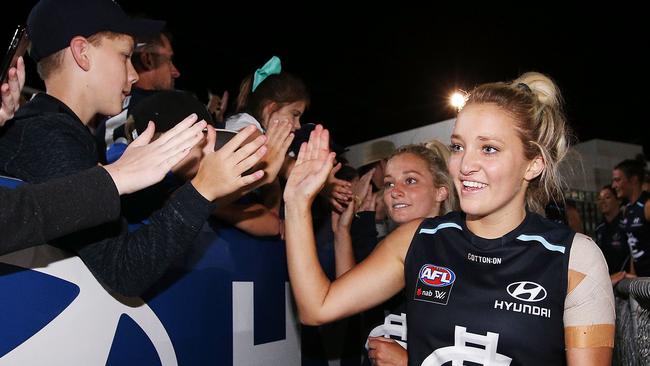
(114, 73)
(290, 112)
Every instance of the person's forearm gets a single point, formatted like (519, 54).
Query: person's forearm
(343, 253)
(594, 356)
(34, 214)
(131, 262)
(308, 281)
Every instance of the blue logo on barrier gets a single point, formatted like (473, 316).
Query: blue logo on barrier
(30, 300)
(194, 301)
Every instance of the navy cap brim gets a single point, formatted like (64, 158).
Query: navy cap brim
(139, 27)
(51, 24)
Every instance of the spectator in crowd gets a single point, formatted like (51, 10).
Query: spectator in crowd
(34, 214)
(268, 99)
(627, 180)
(167, 107)
(269, 94)
(566, 213)
(374, 157)
(153, 60)
(611, 239)
(86, 66)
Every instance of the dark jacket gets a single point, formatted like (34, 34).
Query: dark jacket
(32, 214)
(47, 140)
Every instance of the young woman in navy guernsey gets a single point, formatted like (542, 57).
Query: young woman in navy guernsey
(416, 185)
(495, 284)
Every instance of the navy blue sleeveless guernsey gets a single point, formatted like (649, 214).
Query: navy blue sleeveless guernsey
(487, 301)
(637, 229)
(612, 241)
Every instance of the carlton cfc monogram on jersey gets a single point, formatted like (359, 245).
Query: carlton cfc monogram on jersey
(487, 301)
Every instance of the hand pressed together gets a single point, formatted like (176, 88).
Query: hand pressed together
(221, 172)
(144, 163)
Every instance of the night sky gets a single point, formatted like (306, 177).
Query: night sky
(385, 70)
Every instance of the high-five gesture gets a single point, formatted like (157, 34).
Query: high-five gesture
(145, 163)
(279, 137)
(221, 172)
(312, 167)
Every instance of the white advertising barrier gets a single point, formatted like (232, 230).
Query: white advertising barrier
(227, 302)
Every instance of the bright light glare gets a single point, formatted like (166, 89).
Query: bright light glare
(457, 100)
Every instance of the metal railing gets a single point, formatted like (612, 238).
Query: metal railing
(632, 344)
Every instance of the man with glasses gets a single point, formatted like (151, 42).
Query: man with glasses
(153, 59)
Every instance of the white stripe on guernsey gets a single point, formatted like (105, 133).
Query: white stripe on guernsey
(441, 226)
(546, 244)
(640, 204)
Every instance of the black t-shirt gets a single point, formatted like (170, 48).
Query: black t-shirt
(497, 301)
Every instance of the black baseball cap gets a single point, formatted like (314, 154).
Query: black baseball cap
(53, 23)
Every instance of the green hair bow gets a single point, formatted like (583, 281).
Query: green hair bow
(271, 67)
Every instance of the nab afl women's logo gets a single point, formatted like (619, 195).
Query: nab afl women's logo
(436, 276)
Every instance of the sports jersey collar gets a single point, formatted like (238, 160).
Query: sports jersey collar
(486, 244)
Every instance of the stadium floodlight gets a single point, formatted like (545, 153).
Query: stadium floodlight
(457, 99)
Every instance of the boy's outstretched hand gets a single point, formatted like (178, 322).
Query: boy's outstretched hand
(145, 163)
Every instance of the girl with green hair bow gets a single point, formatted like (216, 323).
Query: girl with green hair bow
(269, 94)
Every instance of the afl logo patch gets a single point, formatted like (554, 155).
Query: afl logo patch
(436, 276)
(434, 284)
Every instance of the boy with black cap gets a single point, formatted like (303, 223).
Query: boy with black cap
(83, 50)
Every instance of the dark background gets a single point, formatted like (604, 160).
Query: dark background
(386, 69)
